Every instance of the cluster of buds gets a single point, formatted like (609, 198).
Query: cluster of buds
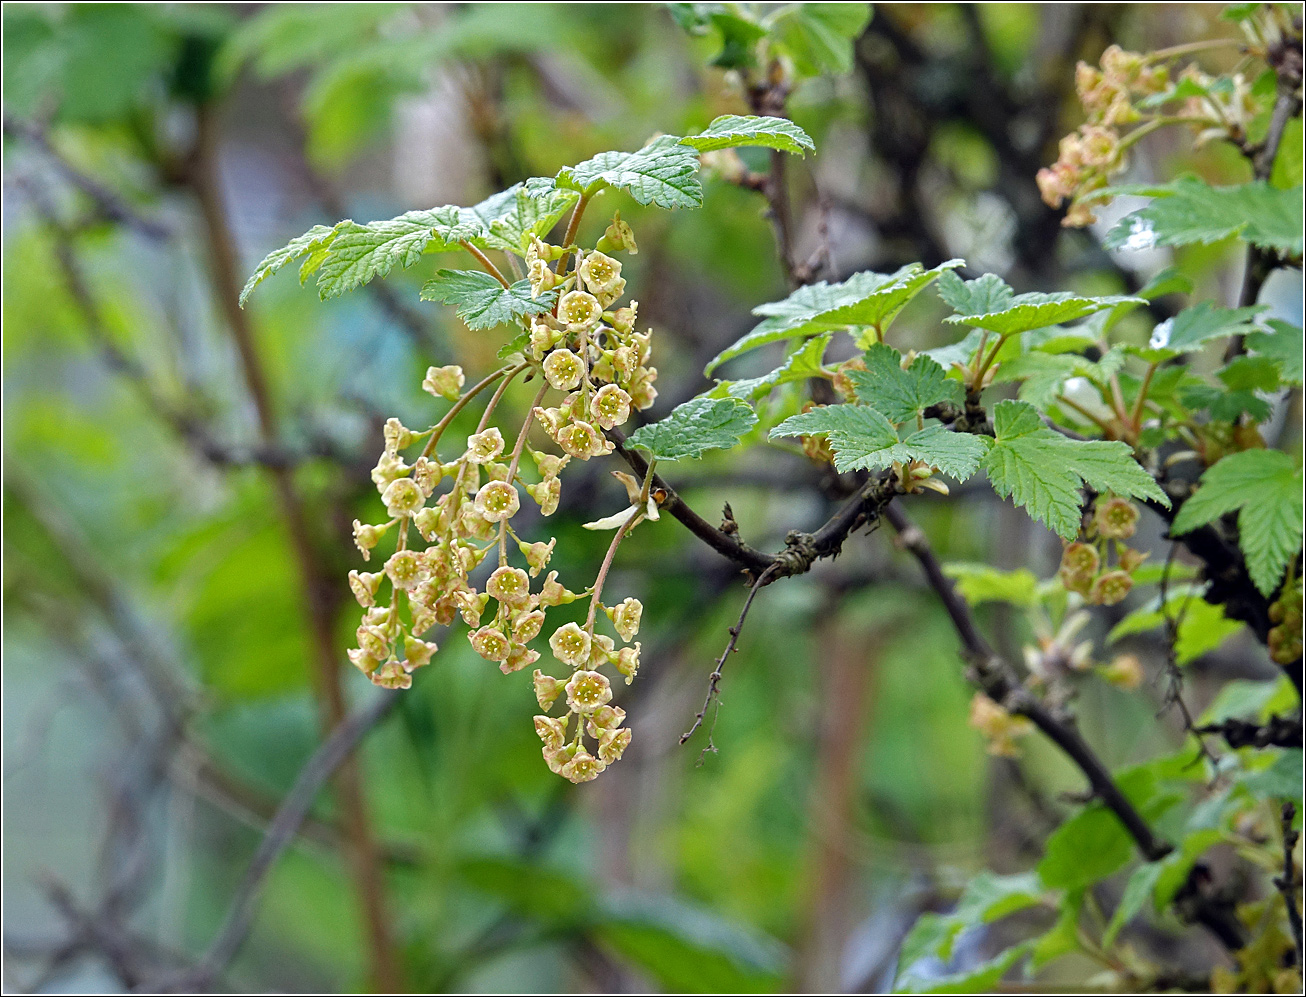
(999, 726)
(1091, 155)
(1284, 639)
(1056, 653)
(1085, 565)
(462, 512)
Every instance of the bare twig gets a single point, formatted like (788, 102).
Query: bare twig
(998, 682)
(714, 680)
(285, 824)
(1287, 884)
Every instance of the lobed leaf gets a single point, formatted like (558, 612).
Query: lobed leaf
(732, 131)
(664, 173)
(1035, 310)
(691, 429)
(864, 299)
(1189, 210)
(902, 394)
(1265, 487)
(1043, 471)
(482, 301)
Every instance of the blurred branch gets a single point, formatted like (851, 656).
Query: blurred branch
(1000, 684)
(331, 755)
(108, 204)
(317, 587)
(1288, 883)
(1279, 732)
(714, 680)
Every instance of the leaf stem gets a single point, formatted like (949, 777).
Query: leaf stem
(1136, 417)
(485, 261)
(1090, 416)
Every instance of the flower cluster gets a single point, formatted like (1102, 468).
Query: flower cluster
(999, 726)
(1285, 637)
(1090, 156)
(449, 518)
(1085, 566)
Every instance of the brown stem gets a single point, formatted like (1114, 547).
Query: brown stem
(994, 676)
(316, 585)
(635, 516)
(485, 262)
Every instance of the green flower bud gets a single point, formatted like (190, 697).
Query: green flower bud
(444, 382)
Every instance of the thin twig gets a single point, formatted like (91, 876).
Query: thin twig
(1287, 883)
(285, 824)
(714, 681)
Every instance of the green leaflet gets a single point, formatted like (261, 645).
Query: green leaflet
(1189, 210)
(803, 363)
(1202, 627)
(863, 438)
(1265, 487)
(315, 239)
(1283, 345)
(509, 219)
(902, 394)
(1035, 310)
(987, 898)
(1196, 325)
(818, 36)
(691, 429)
(865, 299)
(664, 173)
(732, 131)
(482, 301)
(979, 583)
(1043, 471)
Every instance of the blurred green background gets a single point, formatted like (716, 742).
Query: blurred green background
(158, 652)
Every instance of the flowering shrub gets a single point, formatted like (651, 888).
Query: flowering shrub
(1078, 425)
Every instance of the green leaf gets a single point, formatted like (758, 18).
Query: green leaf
(1202, 626)
(983, 296)
(1281, 779)
(359, 253)
(1283, 345)
(1141, 883)
(1201, 323)
(1246, 699)
(864, 299)
(979, 583)
(732, 131)
(957, 455)
(1266, 486)
(687, 949)
(1086, 849)
(507, 220)
(482, 301)
(1188, 210)
(1042, 470)
(664, 173)
(987, 898)
(804, 362)
(902, 394)
(818, 36)
(863, 438)
(979, 979)
(1244, 378)
(860, 436)
(1063, 937)
(314, 240)
(691, 429)
(1287, 171)
(1025, 312)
